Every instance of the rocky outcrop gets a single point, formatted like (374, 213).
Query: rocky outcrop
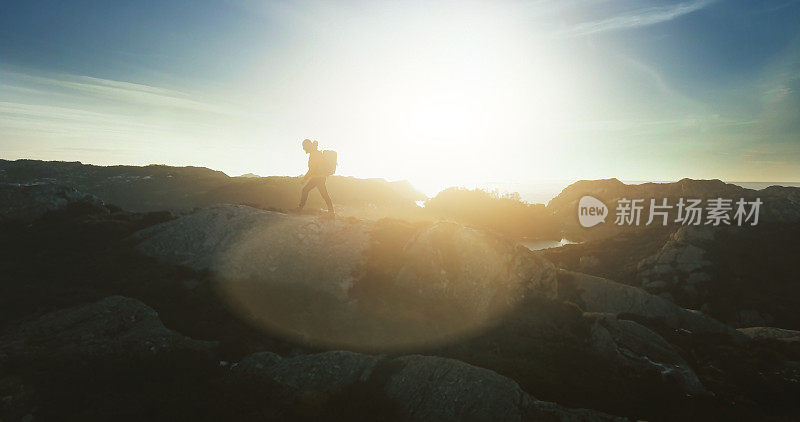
(424, 387)
(113, 331)
(639, 349)
(420, 387)
(771, 333)
(439, 389)
(792, 195)
(595, 294)
(431, 283)
(115, 325)
(240, 242)
(737, 275)
(680, 267)
(330, 372)
(29, 202)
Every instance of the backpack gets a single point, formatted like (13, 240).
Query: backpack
(330, 160)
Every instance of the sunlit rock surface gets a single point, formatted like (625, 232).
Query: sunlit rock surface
(347, 280)
(240, 242)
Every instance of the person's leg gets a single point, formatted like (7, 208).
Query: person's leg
(323, 190)
(306, 189)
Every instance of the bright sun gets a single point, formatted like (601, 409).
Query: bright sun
(449, 102)
(460, 96)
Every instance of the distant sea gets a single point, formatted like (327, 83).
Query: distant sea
(543, 192)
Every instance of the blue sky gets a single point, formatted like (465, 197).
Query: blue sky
(439, 93)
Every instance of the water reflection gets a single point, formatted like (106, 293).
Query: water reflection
(539, 244)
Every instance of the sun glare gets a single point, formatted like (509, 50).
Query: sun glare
(454, 127)
(465, 94)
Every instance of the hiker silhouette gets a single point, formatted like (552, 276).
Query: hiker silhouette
(320, 166)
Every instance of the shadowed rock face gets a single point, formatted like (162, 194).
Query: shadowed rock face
(772, 333)
(595, 294)
(331, 371)
(114, 325)
(639, 349)
(437, 281)
(421, 387)
(737, 275)
(29, 202)
(680, 266)
(426, 388)
(437, 389)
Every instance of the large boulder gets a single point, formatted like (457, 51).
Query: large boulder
(353, 282)
(240, 242)
(638, 349)
(29, 202)
(426, 388)
(432, 388)
(115, 325)
(596, 294)
(330, 372)
(680, 267)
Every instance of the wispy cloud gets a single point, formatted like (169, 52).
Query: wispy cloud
(117, 91)
(73, 108)
(635, 19)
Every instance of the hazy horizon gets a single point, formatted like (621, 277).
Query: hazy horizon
(534, 192)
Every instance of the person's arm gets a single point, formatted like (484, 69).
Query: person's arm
(310, 166)
(313, 165)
